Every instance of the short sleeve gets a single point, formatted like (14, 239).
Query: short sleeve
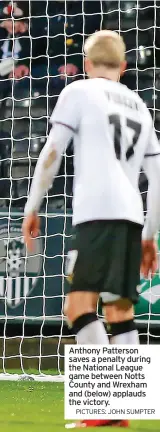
(67, 110)
(153, 148)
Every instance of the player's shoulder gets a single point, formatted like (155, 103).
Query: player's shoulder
(131, 94)
(74, 87)
(77, 92)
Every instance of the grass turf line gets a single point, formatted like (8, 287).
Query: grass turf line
(38, 407)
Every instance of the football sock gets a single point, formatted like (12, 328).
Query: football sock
(90, 330)
(124, 333)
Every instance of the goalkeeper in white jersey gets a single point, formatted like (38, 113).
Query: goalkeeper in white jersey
(113, 138)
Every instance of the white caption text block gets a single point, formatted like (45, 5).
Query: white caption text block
(112, 382)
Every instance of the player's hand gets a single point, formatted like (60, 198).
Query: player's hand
(149, 262)
(30, 229)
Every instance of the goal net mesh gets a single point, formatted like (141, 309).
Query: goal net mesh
(33, 286)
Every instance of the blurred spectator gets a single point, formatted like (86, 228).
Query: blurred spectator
(49, 45)
(14, 40)
(20, 48)
(71, 23)
(66, 26)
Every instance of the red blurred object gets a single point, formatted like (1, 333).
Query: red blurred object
(10, 9)
(99, 423)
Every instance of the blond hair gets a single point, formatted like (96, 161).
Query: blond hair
(105, 48)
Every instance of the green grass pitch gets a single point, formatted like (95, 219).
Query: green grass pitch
(27, 406)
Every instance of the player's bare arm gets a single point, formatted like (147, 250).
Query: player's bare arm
(46, 169)
(151, 166)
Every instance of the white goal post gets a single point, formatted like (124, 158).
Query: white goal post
(33, 287)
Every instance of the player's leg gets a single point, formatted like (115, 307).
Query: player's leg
(101, 246)
(80, 310)
(122, 278)
(120, 322)
(119, 292)
(120, 315)
(118, 311)
(84, 269)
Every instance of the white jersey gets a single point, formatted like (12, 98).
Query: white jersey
(113, 138)
(112, 131)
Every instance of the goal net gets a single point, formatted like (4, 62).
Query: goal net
(41, 52)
